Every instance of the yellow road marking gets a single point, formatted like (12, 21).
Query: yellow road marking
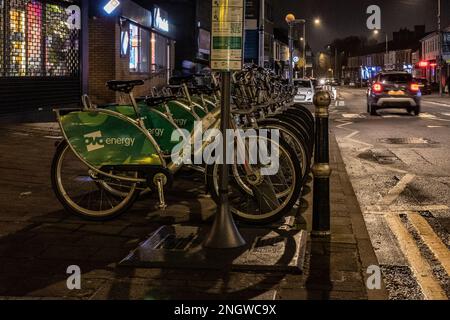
(430, 238)
(421, 269)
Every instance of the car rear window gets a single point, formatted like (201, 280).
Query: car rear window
(395, 78)
(303, 83)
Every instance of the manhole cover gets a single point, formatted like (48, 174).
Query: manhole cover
(406, 141)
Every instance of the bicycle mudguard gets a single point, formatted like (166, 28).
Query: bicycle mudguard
(182, 115)
(196, 107)
(210, 104)
(102, 137)
(157, 124)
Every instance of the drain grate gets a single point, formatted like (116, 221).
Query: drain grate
(406, 141)
(174, 242)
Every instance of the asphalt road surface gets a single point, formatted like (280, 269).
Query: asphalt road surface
(399, 166)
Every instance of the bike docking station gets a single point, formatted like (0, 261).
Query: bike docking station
(278, 247)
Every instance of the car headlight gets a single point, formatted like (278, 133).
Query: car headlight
(309, 92)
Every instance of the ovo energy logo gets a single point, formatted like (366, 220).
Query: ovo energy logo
(95, 141)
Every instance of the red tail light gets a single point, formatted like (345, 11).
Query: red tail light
(414, 87)
(377, 87)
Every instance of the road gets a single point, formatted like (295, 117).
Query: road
(399, 167)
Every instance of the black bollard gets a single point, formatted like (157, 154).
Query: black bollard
(321, 168)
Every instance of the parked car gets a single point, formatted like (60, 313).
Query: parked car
(424, 85)
(393, 89)
(305, 91)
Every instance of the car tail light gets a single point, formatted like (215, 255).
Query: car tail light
(377, 87)
(414, 87)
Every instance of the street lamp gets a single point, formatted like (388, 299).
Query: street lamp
(441, 89)
(317, 21)
(376, 32)
(291, 21)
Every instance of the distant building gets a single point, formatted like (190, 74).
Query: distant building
(259, 32)
(430, 56)
(401, 55)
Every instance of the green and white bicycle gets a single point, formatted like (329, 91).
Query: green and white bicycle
(110, 155)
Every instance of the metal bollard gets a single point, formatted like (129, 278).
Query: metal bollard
(321, 168)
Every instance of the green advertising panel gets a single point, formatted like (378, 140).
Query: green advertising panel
(102, 139)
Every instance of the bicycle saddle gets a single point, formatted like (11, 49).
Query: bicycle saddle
(125, 86)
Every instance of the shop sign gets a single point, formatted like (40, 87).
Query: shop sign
(227, 35)
(161, 21)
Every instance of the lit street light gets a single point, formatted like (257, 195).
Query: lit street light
(291, 21)
(376, 32)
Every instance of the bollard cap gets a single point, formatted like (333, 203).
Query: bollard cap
(322, 99)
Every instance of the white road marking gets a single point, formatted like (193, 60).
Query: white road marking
(427, 116)
(395, 192)
(420, 267)
(353, 116)
(446, 114)
(351, 135)
(53, 137)
(390, 116)
(435, 127)
(345, 123)
(438, 103)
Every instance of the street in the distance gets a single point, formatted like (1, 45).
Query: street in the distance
(399, 168)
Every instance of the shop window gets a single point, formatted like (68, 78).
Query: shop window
(139, 49)
(37, 40)
(160, 53)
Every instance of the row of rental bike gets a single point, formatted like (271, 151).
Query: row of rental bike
(113, 154)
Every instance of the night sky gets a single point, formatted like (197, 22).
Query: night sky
(342, 18)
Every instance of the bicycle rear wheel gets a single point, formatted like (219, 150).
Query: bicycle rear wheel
(82, 191)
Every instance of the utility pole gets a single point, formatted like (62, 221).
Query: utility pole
(304, 49)
(291, 53)
(439, 62)
(262, 14)
(335, 63)
(387, 43)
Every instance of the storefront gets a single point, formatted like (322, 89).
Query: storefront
(130, 43)
(40, 56)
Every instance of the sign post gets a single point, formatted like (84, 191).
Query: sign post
(226, 56)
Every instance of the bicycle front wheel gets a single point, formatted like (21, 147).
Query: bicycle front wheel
(258, 199)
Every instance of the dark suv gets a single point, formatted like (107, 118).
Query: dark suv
(394, 89)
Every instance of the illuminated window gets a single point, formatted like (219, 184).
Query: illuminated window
(37, 40)
(139, 49)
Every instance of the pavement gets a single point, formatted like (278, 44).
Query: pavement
(399, 167)
(39, 240)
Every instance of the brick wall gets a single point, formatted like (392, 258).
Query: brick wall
(101, 58)
(107, 64)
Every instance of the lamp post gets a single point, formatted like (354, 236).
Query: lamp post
(376, 32)
(439, 62)
(291, 21)
(290, 18)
